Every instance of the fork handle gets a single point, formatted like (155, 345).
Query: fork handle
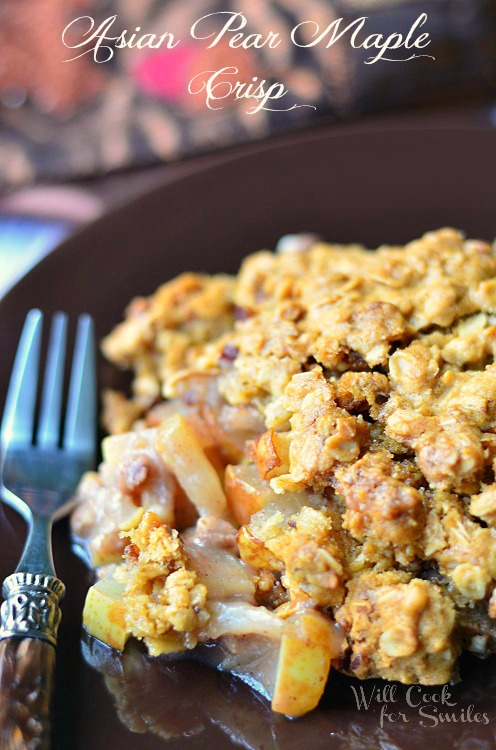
(27, 670)
(30, 616)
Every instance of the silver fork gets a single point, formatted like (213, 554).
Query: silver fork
(39, 473)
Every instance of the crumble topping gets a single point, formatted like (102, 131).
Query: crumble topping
(161, 593)
(381, 504)
(321, 429)
(399, 628)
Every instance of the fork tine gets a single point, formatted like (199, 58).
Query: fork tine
(80, 421)
(18, 417)
(51, 403)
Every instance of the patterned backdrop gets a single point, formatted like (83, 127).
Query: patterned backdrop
(63, 120)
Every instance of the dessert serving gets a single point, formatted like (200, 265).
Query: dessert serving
(304, 474)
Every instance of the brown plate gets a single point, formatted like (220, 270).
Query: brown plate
(348, 184)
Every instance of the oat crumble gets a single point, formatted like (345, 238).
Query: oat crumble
(344, 402)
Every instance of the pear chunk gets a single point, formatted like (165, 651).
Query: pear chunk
(304, 663)
(104, 614)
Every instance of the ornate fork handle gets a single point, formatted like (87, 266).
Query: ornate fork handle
(31, 607)
(30, 616)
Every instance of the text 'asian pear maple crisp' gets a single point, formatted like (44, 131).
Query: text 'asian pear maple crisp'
(305, 471)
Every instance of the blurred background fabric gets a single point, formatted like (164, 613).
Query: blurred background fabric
(66, 120)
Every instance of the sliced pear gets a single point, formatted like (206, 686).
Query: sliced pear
(104, 614)
(115, 446)
(170, 643)
(182, 451)
(246, 492)
(133, 520)
(106, 549)
(304, 663)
